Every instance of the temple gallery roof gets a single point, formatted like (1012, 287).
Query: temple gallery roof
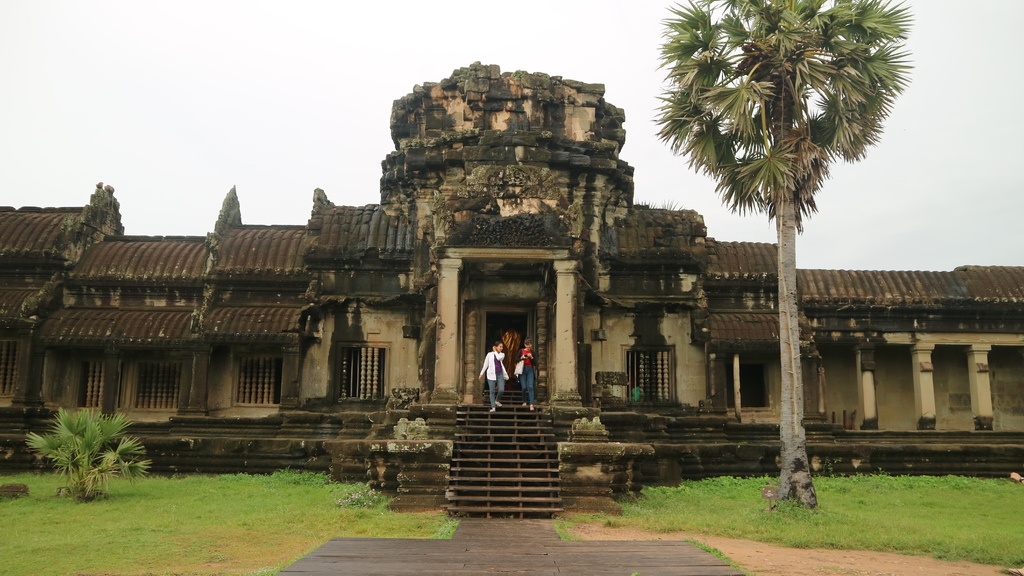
(262, 250)
(652, 234)
(350, 232)
(871, 287)
(33, 230)
(105, 326)
(149, 258)
(253, 322)
(734, 327)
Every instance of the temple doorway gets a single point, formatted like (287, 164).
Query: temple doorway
(511, 328)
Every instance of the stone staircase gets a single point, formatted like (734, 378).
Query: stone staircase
(504, 464)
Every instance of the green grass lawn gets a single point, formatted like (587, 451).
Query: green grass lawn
(193, 525)
(950, 518)
(257, 525)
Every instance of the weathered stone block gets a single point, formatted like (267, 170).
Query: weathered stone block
(593, 474)
(579, 161)
(415, 430)
(13, 490)
(584, 430)
(402, 398)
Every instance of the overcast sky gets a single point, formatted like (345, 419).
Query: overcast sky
(173, 103)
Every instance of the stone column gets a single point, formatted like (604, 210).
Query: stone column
(472, 393)
(814, 386)
(291, 372)
(981, 387)
(868, 400)
(27, 386)
(738, 403)
(111, 375)
(196, 402)
(563, 363)
(446, 360)
(540, 385)
(924, 385)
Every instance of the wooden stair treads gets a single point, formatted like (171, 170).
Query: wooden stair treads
(504, 464)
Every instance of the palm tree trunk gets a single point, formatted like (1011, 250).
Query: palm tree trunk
(795, 478)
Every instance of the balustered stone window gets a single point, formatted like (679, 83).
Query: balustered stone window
(90, 386)
(259, 380)
(361, 374)
(650, 374)
(157, 385)
(8, 366)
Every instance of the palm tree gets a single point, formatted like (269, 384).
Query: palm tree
(763, 96)
(83, 450)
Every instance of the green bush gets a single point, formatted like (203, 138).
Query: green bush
(88, 449)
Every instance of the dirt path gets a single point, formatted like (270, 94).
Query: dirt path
(766, 559)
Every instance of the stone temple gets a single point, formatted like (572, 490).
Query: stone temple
(505, 213)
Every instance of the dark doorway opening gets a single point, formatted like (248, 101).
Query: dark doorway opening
(753, 386)
(511, 329)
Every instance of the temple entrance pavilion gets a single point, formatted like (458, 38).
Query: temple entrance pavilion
(485, 291)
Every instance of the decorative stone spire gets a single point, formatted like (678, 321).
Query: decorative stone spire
(230, 214)
(321, 203)
(103, 213)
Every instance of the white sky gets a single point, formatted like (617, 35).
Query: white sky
(172, 103)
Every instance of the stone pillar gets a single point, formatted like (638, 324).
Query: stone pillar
(27, 387)
(290, 376)
(446, 362)
(472, 392)
(111, 375)
(814, 387)
(541, 347)
(563, 364)
(736, 387)
(868, 400)
(196, 402)
(981, 387)
(924, 385)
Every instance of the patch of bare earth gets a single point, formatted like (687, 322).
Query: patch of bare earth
(767, 559)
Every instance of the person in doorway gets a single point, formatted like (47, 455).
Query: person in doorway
(494, 370)
(528, 377)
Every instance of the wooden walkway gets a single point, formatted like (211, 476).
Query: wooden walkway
(499, 546)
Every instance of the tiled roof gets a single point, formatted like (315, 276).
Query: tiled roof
(880, 287)
(994, 283)
(967, 283)
(123, 326)
(11, 301)
(145, 258)
(28, 232)
(741, 259)
(352, 232)
(654, 233)
(261, 250)
(252, 321)
(754, 326)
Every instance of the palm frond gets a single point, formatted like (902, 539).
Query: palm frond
(87, 448)
(767, 96)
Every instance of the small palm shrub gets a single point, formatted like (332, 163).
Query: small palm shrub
(88, 449)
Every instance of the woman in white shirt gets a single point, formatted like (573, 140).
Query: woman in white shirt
(494, 370)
